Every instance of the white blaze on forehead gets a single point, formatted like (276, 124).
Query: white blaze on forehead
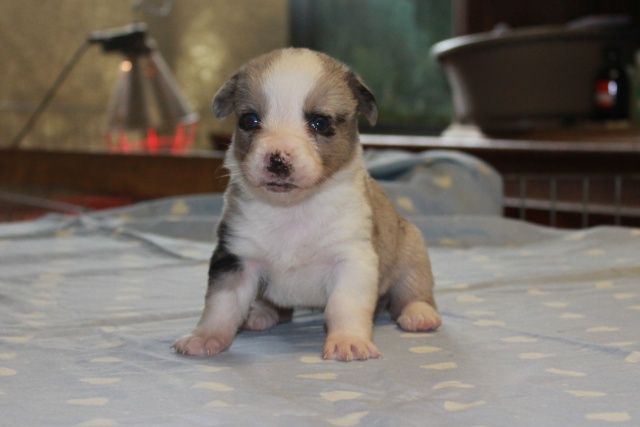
(287, 83)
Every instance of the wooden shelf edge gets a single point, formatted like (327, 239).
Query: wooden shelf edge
(139, 176)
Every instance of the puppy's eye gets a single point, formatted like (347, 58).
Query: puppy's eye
(319, 123)
(249, 121)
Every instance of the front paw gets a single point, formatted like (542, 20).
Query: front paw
(347, 348)
(196, 344)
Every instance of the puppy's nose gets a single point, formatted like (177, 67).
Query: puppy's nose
(278, 165)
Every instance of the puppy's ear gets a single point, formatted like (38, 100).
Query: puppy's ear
(222, 104)
(366, 101)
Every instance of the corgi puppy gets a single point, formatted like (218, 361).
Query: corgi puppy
(304, 225)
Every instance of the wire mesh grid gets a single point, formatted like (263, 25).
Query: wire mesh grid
(570, 200)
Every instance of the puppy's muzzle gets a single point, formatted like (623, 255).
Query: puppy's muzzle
(279, 169)
(279, 166)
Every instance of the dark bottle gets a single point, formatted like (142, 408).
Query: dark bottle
(611, 100)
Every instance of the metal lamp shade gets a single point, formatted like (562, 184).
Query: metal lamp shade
(147, 112)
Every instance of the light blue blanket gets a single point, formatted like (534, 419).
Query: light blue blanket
(541, 327)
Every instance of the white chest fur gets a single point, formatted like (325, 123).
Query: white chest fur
(298, 248)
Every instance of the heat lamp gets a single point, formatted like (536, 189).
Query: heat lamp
(146, 113)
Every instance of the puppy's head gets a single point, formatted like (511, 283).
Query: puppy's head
(297, 121)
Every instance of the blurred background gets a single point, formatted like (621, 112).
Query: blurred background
(202, 41)
(390, 43)
(510, 81)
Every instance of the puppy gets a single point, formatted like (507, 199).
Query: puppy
(304, 225)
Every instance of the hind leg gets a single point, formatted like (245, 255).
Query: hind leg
(264, 315)
(419, 316)
(412, 303)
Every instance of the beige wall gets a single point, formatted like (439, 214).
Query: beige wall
(204, 42)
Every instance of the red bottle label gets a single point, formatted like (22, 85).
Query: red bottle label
(606, 92)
